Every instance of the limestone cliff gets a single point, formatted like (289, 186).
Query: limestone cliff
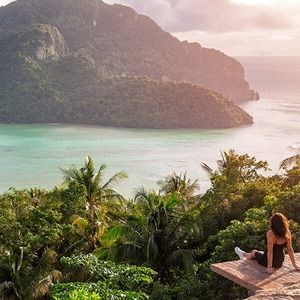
(126, 43)
(83, 61)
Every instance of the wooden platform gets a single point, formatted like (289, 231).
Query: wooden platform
(249, 274)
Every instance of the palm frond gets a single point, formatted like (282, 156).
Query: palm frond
(207, 169)
(140, 195)
(109, 238)
(71, 174)
(178, 183)
(152, 249)
(109, 194)
(97, 178)
(115, 179)
(146, 200)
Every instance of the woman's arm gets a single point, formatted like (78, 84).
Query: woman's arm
(291, 250)
(270, 242)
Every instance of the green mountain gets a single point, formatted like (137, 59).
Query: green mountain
(84, 61)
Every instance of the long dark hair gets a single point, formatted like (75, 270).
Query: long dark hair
(279, 225)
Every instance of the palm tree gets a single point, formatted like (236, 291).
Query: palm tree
(98, 196)
(180, 185)
(290, 160)
(237, 167)
(126, 240)
(172, 232)
(227, 160)
(21, 282)
(160, 234)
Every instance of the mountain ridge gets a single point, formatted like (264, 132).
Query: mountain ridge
(47, 56)
(137, 39)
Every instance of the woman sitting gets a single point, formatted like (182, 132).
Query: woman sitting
(278, 237)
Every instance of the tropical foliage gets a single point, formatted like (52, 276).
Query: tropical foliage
(83, 240)
(102, 279)
(99, 199)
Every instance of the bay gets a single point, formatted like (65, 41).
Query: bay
(30, 155)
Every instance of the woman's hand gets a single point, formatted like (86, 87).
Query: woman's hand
(270, 270)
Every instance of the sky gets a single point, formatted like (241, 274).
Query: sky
(236, 27)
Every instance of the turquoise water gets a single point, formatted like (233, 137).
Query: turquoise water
(32, 154)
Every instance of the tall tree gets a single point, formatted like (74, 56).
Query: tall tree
(234, 171)
(31, 232)
(98, 196)
(161, 233)
(172, 232)
(182, 186)
(236, 185)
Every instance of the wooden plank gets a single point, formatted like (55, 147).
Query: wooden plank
(238, 273)
(251, 275)
(280, 278)
(288, 263)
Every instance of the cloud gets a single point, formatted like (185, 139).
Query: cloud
(237, 27)
(266, 20)
(212, 15)
(273, 42)
(4, 2)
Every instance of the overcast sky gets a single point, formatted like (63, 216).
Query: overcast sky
(236, 27)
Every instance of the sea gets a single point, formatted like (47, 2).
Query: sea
(32, 155)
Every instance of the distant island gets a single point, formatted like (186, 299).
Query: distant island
(87, 62)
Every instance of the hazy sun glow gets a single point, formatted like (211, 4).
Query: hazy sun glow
(236, 27)
(254, 2)
(267, 2)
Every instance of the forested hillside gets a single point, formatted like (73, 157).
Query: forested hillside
(42, 81)
(90, 62)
